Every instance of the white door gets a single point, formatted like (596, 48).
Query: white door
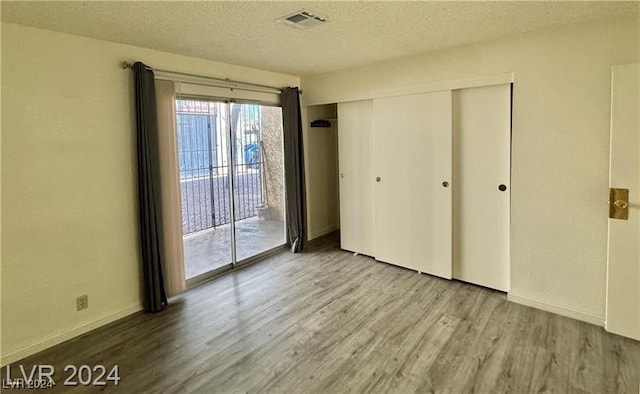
(481, 185)
(623, 267)
(412, 156)
(355, 156)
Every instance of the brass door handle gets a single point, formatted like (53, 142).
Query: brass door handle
(619, 203)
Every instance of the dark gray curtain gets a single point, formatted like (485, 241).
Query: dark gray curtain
(149, 204)
(294, 169)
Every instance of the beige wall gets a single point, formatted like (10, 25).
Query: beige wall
(560, 147)
(68, 161)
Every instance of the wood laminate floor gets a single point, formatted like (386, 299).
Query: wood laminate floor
(326, 321)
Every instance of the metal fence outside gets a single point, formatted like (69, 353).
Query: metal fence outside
(202, 128)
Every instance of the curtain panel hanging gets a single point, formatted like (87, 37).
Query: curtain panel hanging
(173, 263)
(294, 169)
(149, 198)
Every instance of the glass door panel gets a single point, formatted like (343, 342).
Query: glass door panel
(258, 172)
(203, 151)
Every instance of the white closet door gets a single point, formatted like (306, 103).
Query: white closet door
(357, 186)
(481, 188)
(413, 200)
(623, 265)
(482, 155)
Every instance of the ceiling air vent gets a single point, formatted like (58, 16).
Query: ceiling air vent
(302, 19)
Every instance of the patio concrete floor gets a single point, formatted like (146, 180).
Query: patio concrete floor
(210, 249)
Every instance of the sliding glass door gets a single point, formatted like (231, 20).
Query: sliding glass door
(232, 182)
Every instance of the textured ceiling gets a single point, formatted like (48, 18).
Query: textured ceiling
(357, 33)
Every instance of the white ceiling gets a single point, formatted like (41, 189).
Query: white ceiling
(357, 33)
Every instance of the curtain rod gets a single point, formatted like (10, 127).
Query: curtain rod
(224, 82)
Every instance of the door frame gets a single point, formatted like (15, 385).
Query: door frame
(486, 80)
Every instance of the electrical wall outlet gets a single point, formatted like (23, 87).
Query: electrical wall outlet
(82, 302)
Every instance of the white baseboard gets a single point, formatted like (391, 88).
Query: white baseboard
(59, 337)
(558, 309)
